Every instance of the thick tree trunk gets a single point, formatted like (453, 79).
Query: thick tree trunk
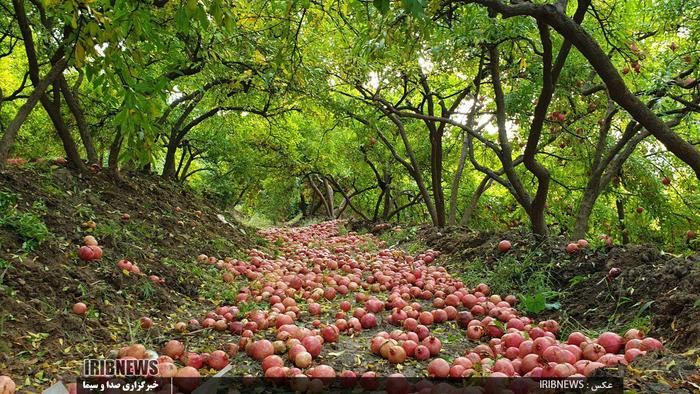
(169, 165)
(585, 208)
(69, 145)
(8, 138)
(79, 116)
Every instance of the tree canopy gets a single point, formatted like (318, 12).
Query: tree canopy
(572, 117)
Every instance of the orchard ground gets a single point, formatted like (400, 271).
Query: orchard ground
(47, 212)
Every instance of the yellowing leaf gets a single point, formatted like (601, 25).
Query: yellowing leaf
(79, 55)
(258, 57)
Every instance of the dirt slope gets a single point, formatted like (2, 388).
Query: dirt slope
(42, 212)
(657, 290)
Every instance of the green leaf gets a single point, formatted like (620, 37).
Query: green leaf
(414, 7)
(381, 5)
(645, 307)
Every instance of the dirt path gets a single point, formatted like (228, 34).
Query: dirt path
(361, 310)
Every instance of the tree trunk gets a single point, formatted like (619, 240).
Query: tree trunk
(8, 138)
(436, 176)
(620, 205)
(329, 193)
(456, 180)
(114, 151)
(322, 197)
(71, 149)
(413, 167)
(79, 116)
(469, 212)
(169, 165)
(585, 208)
(600, 179)
(386, 209)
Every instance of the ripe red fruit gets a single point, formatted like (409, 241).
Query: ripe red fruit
(79, 308)
(439, 368)
(218, 360)
(174, 349)
(86, 253)
(261, 349)
(666, 181)
(397, 355)
(610, 341)
(146, 322)
(96, 252)
(614, 273)
(330, 333)
(504, 245)
(433, 344)
(421, 353)
(571, 248)
(126, 216)
(368, 321)
(690, 234)
(640, 209)
(313, 345)
(194, 360)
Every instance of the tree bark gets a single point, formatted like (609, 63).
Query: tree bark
(436, 176)
(322, 197)
(456, 180)
(620, 205)
(54, 110)
(114, 151)
(79, 116)
(329, 193)
(169, 164)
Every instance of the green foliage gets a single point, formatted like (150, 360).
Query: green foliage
(534, 304)
(258, 98)
(27, 225)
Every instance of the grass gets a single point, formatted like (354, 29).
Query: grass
(29, 225)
